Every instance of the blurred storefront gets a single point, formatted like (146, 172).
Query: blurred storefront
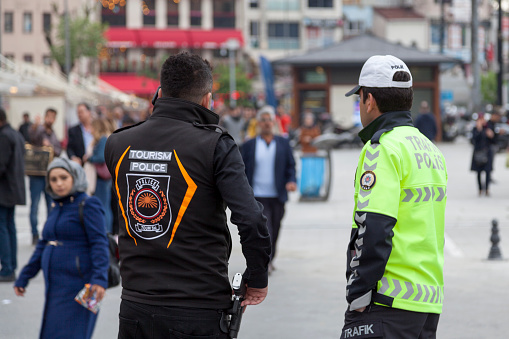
(322, 77)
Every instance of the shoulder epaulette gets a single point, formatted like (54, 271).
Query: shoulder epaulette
(211, 127)
(375, 139)
(127, 127)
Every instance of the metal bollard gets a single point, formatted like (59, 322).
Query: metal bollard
(495, 253)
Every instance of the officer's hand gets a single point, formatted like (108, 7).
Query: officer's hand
(254, 296)
(360, 310)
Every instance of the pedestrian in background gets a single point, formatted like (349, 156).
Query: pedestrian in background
(483, 138)
(270, 170)
(284, 120)
(251, 124)
(25, 126)
(41, 135)
(308, 132)
(71, 253)
(12, 193)
(396, 252)
(234, 123)
(101, 130)
(80, 135)
(174, 241)
(425, 122)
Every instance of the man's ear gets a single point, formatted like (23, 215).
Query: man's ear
(160, 92)
(206, 100)
(371, 103)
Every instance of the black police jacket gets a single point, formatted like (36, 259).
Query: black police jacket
(173, 178)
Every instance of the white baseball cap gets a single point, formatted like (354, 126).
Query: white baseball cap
(378, 71)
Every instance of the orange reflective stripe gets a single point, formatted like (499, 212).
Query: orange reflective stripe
(118, 193)
(191, 188)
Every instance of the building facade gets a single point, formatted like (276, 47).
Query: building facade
(24, 24)
(278, 28)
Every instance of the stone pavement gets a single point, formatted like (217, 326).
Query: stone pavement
(306, 292)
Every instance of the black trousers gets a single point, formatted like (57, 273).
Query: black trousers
(274, 210)
(142, 321)
(486, 186)
(389, 323)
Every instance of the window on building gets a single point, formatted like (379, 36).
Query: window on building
(149, 12)
(46, 22)
(47, 60)
(224, 13)
(8, 22)
(253, 3)
(28, 58)
(196, 13)
(173, 13)
(283, 5)
(254, 33)
(27, 22)
(116, 16)
(9, 56)
(320, 3)
(435, 33)
(354, 27)
(284, 35)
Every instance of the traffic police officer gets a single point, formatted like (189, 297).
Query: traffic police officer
(174, 175)
(395, 255)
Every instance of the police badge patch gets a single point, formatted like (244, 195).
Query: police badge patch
(149, 209)
(368, 180)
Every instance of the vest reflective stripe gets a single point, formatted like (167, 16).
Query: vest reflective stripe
(405, 290)
(438, 192)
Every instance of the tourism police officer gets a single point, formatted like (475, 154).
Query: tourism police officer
(174, 175)
(396, 251)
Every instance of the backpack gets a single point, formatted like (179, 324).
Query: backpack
(114, 267)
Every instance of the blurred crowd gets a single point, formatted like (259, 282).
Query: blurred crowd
(84, 144)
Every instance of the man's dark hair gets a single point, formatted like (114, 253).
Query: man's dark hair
(186, 76)
(52, 110)
(26, 114)
(3, 116)
(87, 106)
(391, 99)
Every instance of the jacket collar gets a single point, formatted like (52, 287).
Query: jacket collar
(387, 121)
(184, 110)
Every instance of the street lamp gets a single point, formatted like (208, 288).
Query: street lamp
(232, 45)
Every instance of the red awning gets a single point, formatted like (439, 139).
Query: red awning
(121, 37)
(163, 38)
(170, 38)
(131, 83)
(215, 38)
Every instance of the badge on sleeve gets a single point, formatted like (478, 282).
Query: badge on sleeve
(368, 180)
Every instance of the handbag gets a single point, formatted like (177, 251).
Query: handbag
(480, 157)
(102, 171)
(114, 266)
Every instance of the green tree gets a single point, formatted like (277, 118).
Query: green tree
(86, 39)
(489, 87)
(243, 84)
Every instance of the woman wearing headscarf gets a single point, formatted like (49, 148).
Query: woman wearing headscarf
(70, 254)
